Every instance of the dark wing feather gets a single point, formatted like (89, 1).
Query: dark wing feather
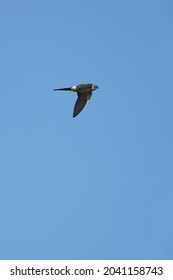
(80, 103)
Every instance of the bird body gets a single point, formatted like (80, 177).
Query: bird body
(84, 92)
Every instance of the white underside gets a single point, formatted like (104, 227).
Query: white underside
(74, 88)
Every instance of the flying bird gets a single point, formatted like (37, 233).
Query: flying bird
(84, 92)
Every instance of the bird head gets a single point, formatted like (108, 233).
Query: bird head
(94, 87)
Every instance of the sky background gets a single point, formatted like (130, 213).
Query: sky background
(98, 186)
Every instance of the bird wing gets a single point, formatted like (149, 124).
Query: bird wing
(80, 103)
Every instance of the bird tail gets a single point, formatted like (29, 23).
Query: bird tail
(62, 88)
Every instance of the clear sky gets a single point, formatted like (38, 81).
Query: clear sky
(98, 186)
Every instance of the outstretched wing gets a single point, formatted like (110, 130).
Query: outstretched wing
(80, 103)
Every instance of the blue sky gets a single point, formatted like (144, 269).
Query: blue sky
(99, 186)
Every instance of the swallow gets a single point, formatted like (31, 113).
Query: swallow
(84, 92)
